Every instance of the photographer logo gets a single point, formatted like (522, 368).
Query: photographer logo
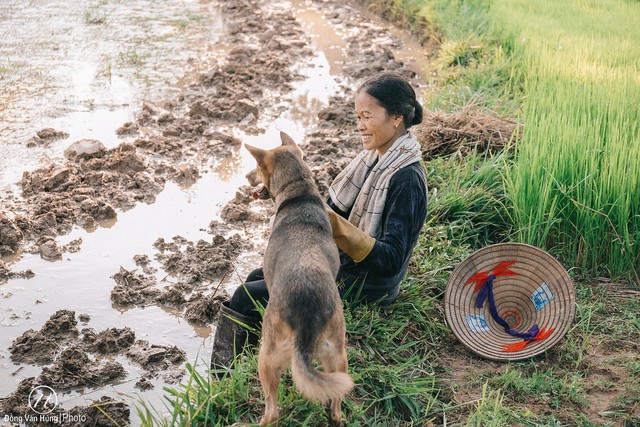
(43, 400)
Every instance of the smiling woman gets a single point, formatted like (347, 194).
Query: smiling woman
(386, 107)
(379, 201)
(377, 207)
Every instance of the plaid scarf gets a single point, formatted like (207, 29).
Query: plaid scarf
(364, 191)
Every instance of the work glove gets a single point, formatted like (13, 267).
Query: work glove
(349, 238)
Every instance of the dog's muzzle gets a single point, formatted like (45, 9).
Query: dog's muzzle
(261, 193)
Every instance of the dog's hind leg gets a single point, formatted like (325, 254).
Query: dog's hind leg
(335, 364)
(272, 361)
(270, 379)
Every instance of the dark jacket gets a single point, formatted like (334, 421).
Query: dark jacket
(377, 278)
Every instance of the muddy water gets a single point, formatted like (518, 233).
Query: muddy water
(84, 67)
(149, 53)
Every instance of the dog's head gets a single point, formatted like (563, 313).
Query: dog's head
(270, 165)
(255, 180)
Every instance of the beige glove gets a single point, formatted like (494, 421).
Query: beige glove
(353, 241)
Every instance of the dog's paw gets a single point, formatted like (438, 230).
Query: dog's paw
(271, 421)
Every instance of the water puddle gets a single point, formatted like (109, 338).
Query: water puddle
(86, 75)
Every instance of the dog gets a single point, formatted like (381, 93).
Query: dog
(303, 320)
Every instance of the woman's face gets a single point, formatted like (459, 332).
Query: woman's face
(378, 129)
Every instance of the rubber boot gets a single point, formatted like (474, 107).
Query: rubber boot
(230, 338)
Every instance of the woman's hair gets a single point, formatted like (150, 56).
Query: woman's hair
(395, 95)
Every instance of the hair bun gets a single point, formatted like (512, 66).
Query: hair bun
(417, 116)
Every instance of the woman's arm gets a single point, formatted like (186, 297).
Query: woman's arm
(403, 217)
(336, 209)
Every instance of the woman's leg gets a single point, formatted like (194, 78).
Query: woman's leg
(257, 274)
(247, 295)
(231, 334)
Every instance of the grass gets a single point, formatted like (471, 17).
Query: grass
(189, 19)
(468, 195)
(473, 63)
(490, 410)
(131, 57)
(570, 71)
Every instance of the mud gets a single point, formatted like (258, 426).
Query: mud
(109, 341)
(74, 369)
(104, 412)
(193, 268)
(178, 142)
(41, 347)
(133, 289)
(6, 273)
(158, 360)
(95, 182)
(46, 136)
(76, 360)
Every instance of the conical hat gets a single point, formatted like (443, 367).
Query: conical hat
(531, 291)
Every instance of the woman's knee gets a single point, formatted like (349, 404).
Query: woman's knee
(255, 275)
(246, 297)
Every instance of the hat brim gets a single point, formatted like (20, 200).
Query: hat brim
(540, 293)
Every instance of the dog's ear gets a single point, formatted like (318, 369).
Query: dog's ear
(286, 139)
(258, 153)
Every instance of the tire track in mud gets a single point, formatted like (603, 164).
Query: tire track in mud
(173, 142)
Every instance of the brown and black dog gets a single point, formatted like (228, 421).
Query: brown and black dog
(303, 320)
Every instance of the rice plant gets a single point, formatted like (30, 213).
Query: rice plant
(574, 183)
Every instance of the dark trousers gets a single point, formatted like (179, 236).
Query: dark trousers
(253, 289)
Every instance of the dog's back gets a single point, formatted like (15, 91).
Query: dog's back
(301, 265)
(303, 320)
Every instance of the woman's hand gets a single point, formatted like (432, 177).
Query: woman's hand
(349, 238)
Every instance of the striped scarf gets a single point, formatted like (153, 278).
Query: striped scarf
(366, 192)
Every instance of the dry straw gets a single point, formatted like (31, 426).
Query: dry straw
(534, 290)
(463, 131)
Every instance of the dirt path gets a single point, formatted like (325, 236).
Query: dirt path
(274, 58)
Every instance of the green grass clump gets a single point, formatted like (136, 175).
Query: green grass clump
(95, 15)
(542, 386)
(490, 411)
(468, 195)
(472, 62)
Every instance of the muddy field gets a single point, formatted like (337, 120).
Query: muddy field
(118, 249)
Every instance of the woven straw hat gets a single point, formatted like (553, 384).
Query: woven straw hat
(533, 294)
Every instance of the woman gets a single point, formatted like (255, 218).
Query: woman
(377, 207)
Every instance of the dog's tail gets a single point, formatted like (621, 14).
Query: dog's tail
(317, 385)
